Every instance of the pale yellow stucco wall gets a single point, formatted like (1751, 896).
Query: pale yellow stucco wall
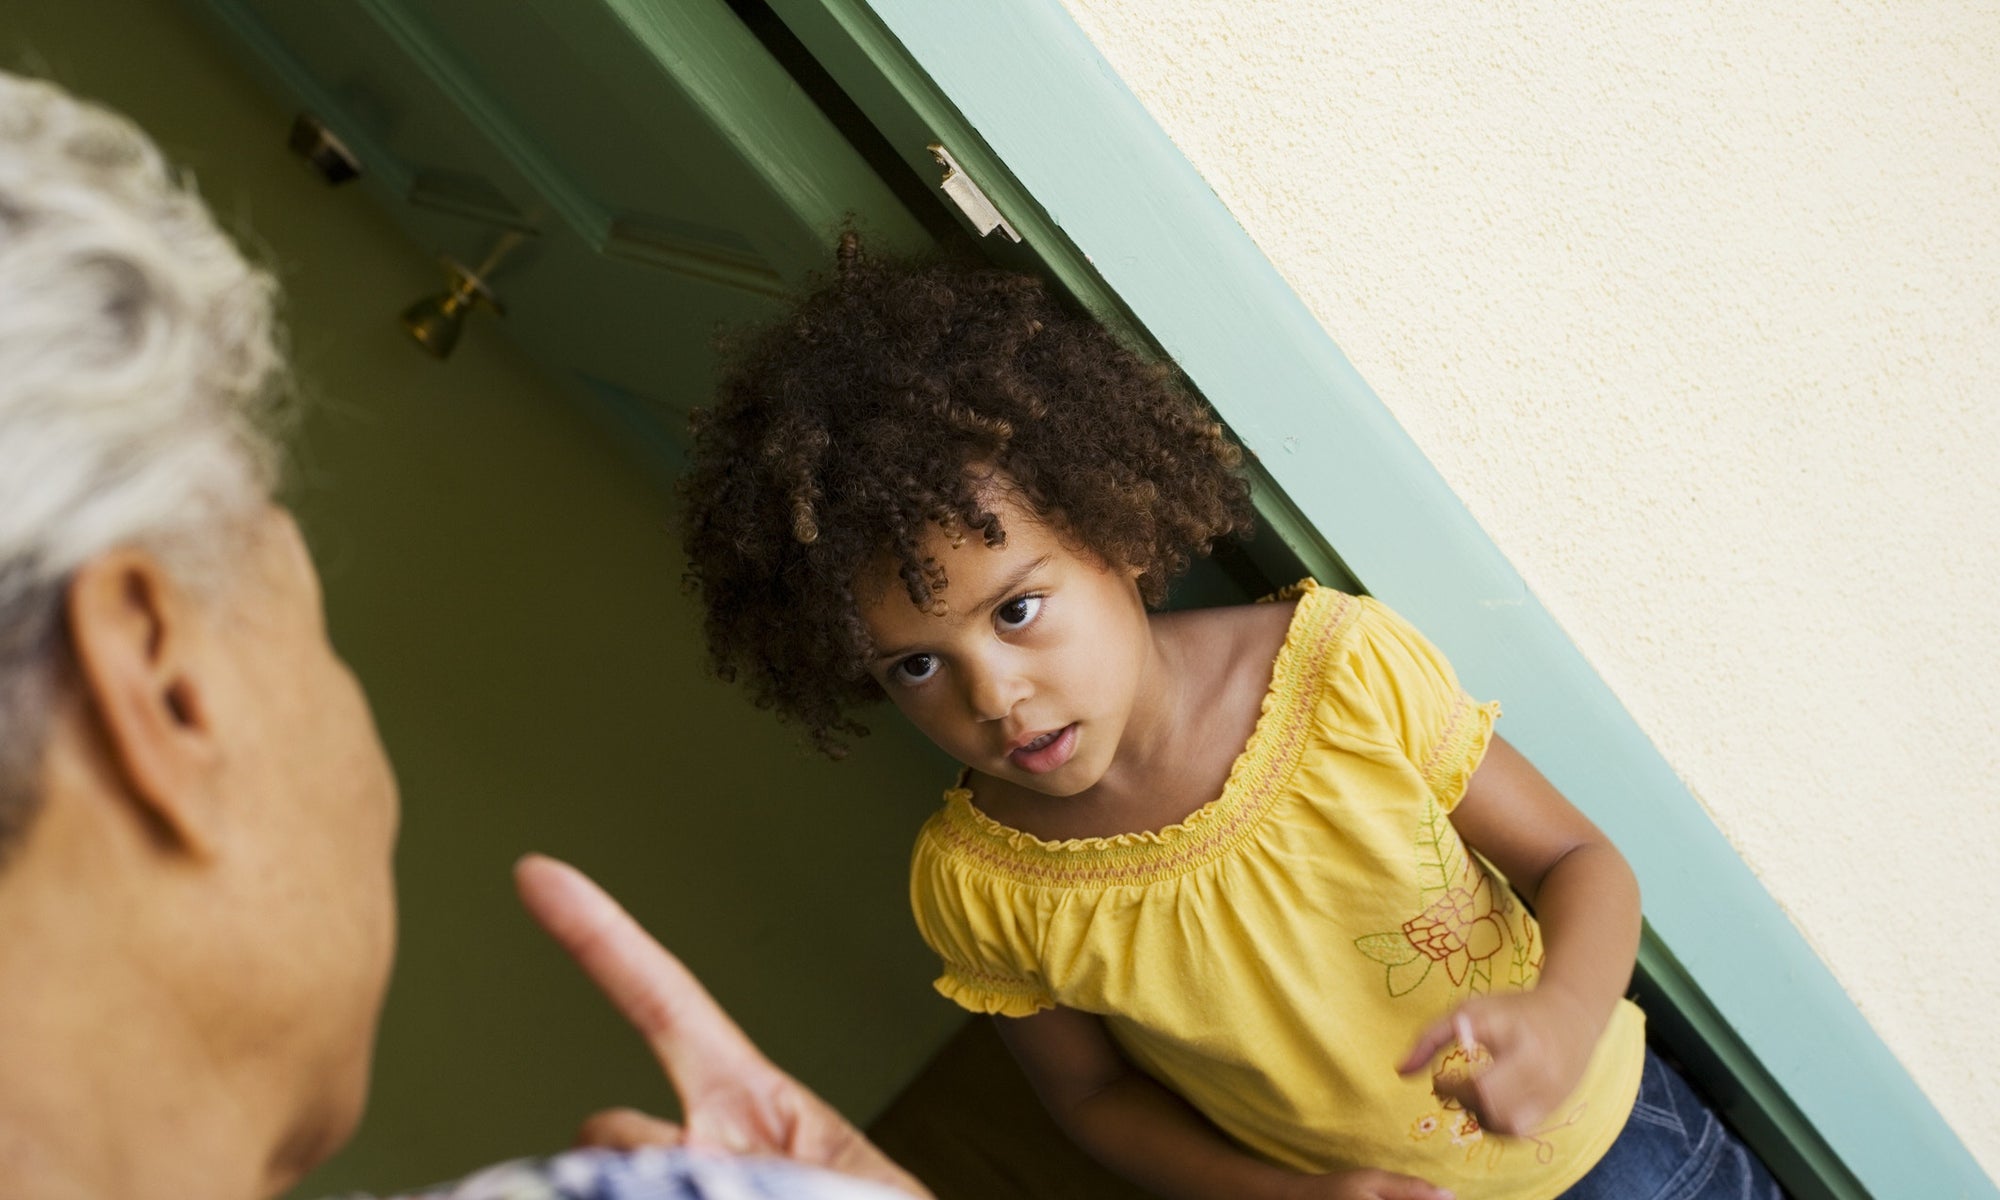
(1698, 309)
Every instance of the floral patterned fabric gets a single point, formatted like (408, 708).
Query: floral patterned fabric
(658, 1174)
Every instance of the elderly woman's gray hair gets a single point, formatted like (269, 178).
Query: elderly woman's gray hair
(138, 387)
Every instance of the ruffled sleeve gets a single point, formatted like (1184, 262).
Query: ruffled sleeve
(984, 942)
(1442, 730)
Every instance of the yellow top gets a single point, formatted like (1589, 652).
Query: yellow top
(1272, 956)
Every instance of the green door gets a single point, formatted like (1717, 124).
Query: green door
(669, 175)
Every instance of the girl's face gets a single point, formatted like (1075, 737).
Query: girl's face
(1033, 673)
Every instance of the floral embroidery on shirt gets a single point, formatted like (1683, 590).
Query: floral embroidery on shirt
(1467, 917)
(1525, 964)
(1458, 929)
(1451, 1119)
(1463, 1130)
(1466, 920)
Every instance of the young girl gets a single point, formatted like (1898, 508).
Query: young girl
(1262, 905)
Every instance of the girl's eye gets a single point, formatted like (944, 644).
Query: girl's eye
(1017, 613)
(916, 668)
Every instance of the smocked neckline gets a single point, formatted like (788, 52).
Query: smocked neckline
(1260, 769)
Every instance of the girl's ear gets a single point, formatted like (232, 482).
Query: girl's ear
(144, 675)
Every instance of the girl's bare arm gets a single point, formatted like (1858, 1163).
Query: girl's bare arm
(1126, 1120)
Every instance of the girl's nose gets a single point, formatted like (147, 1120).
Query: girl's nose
(992, 691)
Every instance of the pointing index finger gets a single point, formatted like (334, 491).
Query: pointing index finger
(695, 1041)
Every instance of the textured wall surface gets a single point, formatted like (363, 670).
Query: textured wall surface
(1699, 311)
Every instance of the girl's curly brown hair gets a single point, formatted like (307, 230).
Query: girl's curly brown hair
(883, 407)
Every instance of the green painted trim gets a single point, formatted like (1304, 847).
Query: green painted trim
(759, 111)
(1119, 216)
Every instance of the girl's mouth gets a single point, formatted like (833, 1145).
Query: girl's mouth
(1047, 752)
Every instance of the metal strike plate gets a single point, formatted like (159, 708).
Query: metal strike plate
(971, 201)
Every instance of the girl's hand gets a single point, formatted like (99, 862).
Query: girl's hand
(1523, 1054)
(735, 1099)
(1367, 1185)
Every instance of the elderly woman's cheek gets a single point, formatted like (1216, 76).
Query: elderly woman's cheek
(321, 810)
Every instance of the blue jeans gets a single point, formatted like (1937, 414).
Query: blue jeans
(1674, 1148)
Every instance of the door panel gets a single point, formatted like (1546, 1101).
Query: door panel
(670, 175)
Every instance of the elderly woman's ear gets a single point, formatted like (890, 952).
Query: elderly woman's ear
(145, 654)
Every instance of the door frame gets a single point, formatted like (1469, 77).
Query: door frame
(1111, 208)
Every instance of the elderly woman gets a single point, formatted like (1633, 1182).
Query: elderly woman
(196, 814)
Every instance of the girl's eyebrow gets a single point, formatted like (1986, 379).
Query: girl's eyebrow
(1012, 582)
(1006, 589)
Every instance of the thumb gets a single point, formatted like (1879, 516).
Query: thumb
(1435, 1037)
